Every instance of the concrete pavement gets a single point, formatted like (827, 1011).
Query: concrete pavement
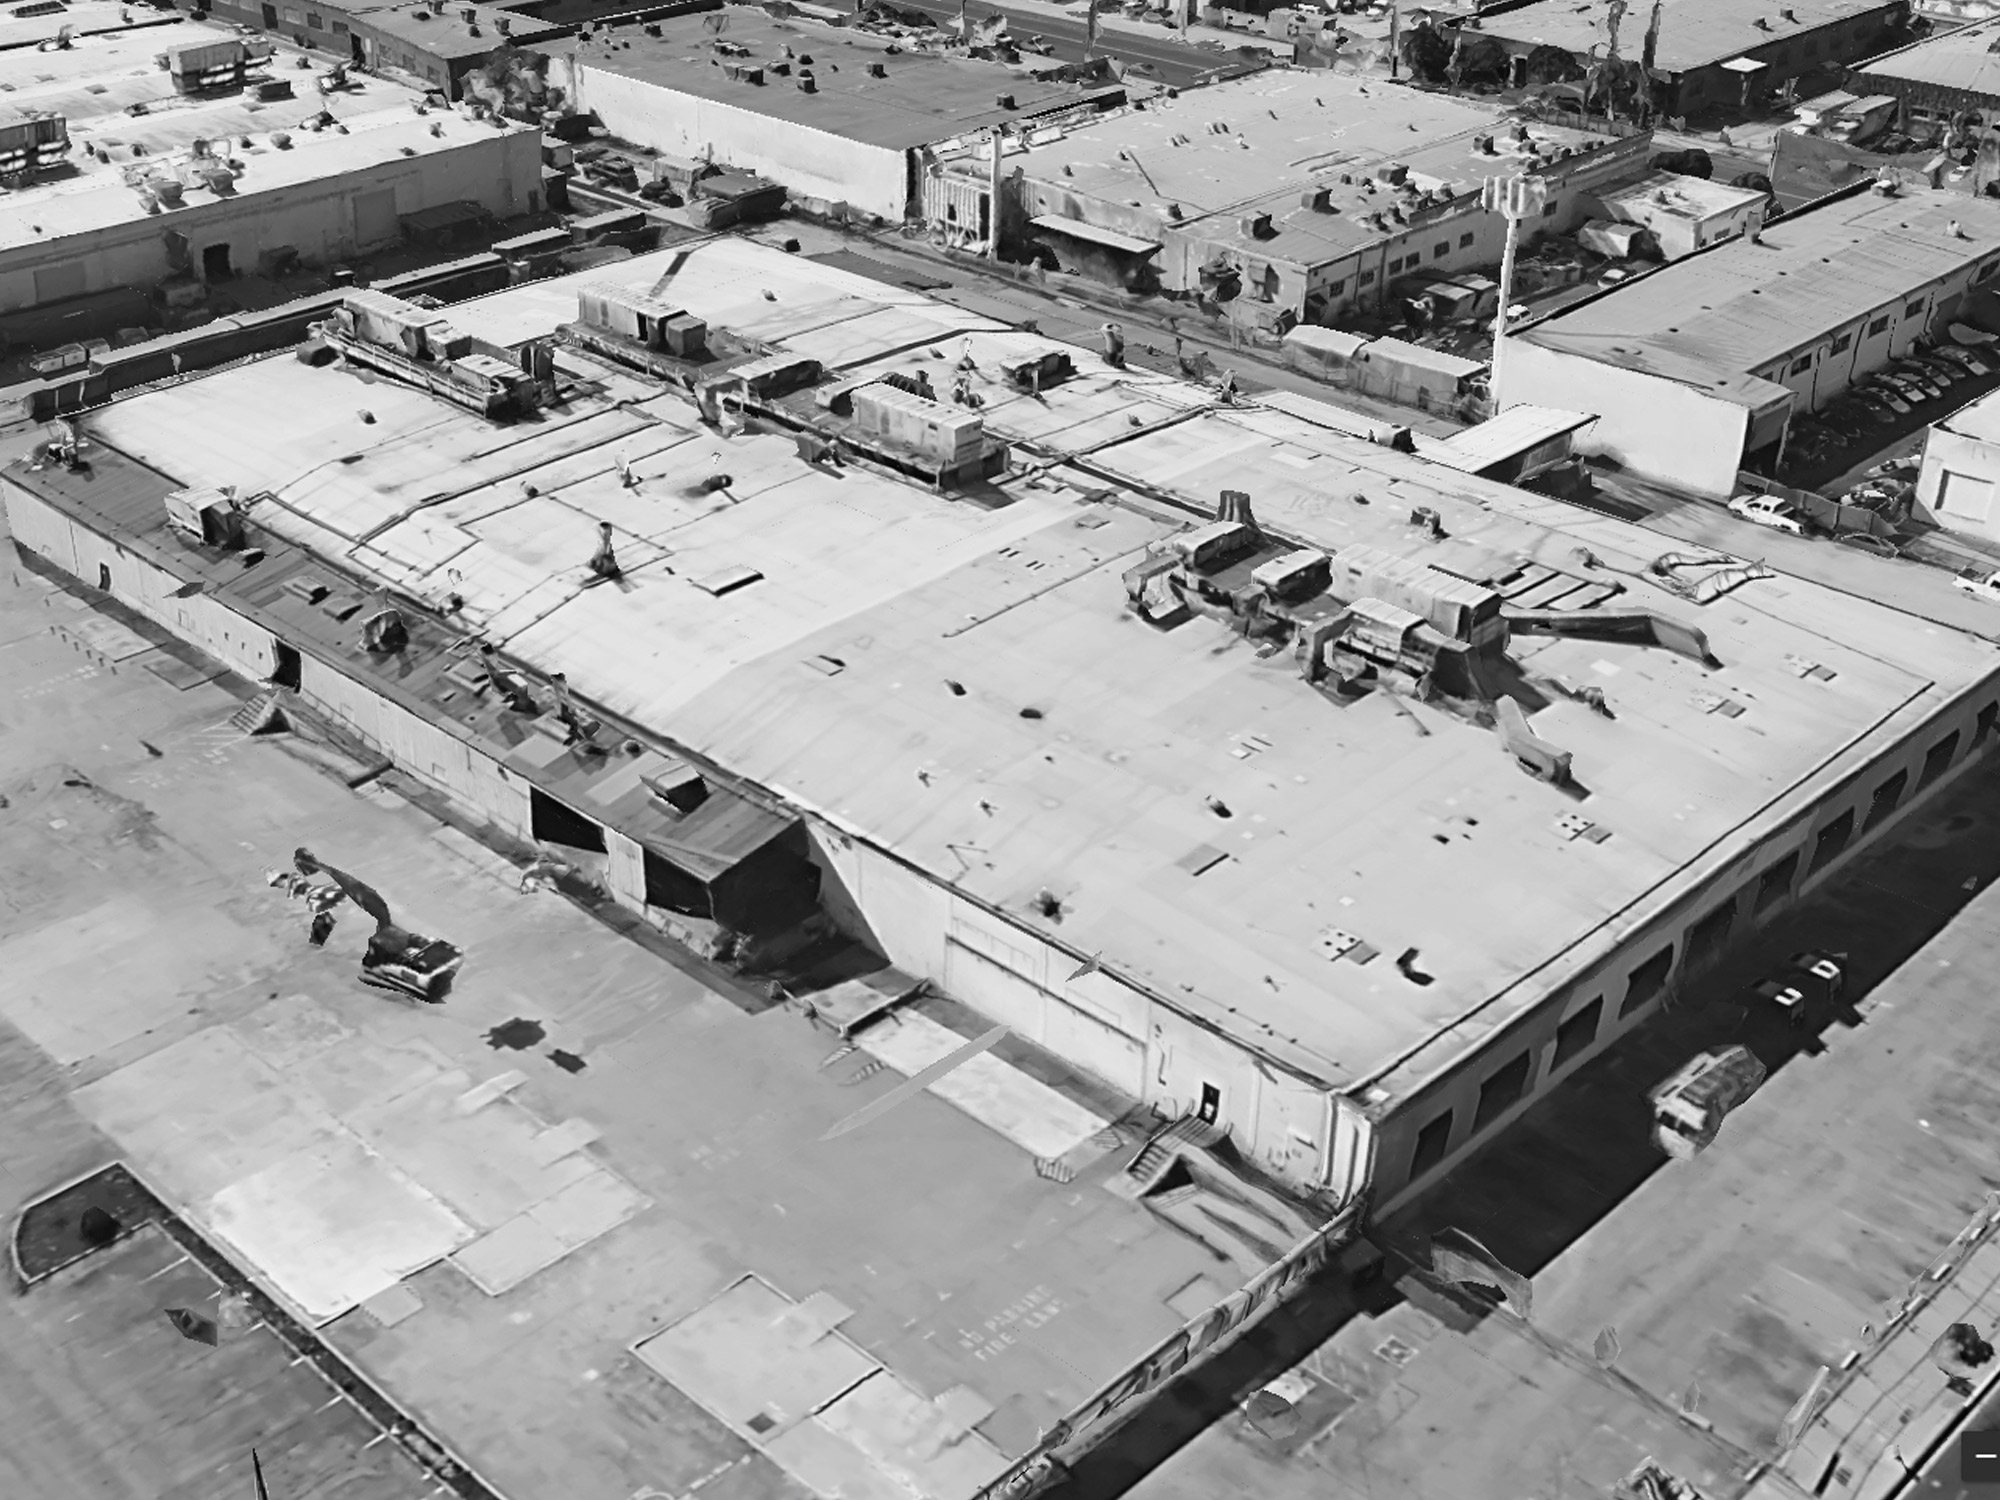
(487, 1205)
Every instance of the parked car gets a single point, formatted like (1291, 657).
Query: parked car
(1811, 980)
(1924, 379)
(1912, 388)
(1968, 360)
(1879, 391)
(1876, 406)
(1980, 585)
(1862, 541)
(1768, 510)
(1939, 371)
(1941, 375)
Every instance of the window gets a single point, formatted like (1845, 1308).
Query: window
(104, 577)
(1392, 268)
(1367, 278)
(1886, 799)
(1982, 728)
(340, 28)
(1914, 309)
(1842, 344)
(1938, 761)
(1335, 288)
(1986, 272)
(1441, 249)
(315, 22)
(434, 75)
(1802, 364)
(1500, 1092)
(1832, 839)
(1465, 241)
(1432, 1142)
(1708, 937)
(1647, 980)
(1549, 209)
(1578, 1032)
(1776, 883)
(1878, 326)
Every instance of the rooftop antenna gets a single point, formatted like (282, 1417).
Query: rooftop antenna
(257, 1473)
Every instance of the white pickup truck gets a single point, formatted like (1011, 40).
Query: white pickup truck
(1768, 510)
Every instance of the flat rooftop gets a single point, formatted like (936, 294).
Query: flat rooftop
(924, 98)
(1691, 198)
(1693, 33)
(125, 116)
(448, 31)
(1960, 59)
(78, 17)
(1976, 419)
(1720, 314)
(1260, 143)
(824, 680)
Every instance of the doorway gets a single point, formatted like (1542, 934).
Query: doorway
(1211, 1104)
(215, 263)
(549, 822)
(104, 577)
(286, 674)
(270, 18)
(354, 48)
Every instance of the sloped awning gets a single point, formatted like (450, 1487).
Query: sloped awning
(1110, 239)
(716, 837)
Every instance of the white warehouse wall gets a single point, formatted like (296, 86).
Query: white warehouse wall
(811, 163)
(1658, 428)
(317, 218)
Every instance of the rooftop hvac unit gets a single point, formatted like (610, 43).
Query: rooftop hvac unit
(1318, 199)
(1295, 575)
(206, 516)
(167, 189)
(1213, 545)
(1258, 226)
(677, 785)
(878, 70)
(1003, 101)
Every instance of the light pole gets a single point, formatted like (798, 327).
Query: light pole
(1519, 198)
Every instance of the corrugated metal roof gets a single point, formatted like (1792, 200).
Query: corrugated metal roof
(1723, 313)
(1514, 431)
(1960, 59)
(824, 681)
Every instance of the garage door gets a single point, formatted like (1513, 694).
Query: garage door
(375, 219)
(1963, 497)
(1100, 1050)
(993, 989)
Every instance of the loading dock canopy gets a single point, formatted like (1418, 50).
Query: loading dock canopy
(1110, 239)
(723, 833)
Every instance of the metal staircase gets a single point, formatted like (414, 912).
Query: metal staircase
(1189, 1132)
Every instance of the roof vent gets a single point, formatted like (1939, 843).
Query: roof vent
(503, 25)
(468, 14)
(878, 70)
(1258, 226)
(1004, 101)
(1318, 199)
(1174, 212)
(806, 84)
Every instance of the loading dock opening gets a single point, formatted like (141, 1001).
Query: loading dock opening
(286, 673)
(549, 822)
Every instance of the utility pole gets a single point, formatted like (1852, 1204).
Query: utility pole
(1518, 198)
(993, 201)
(1396, 38)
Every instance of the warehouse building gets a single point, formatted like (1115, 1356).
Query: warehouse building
(1291, 198)
(1710, 53)
(1696, 370)
(838, 116)
(181, 155)
(1960, 470)
(428, 42)
(1952, 73)
(1025, 748)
